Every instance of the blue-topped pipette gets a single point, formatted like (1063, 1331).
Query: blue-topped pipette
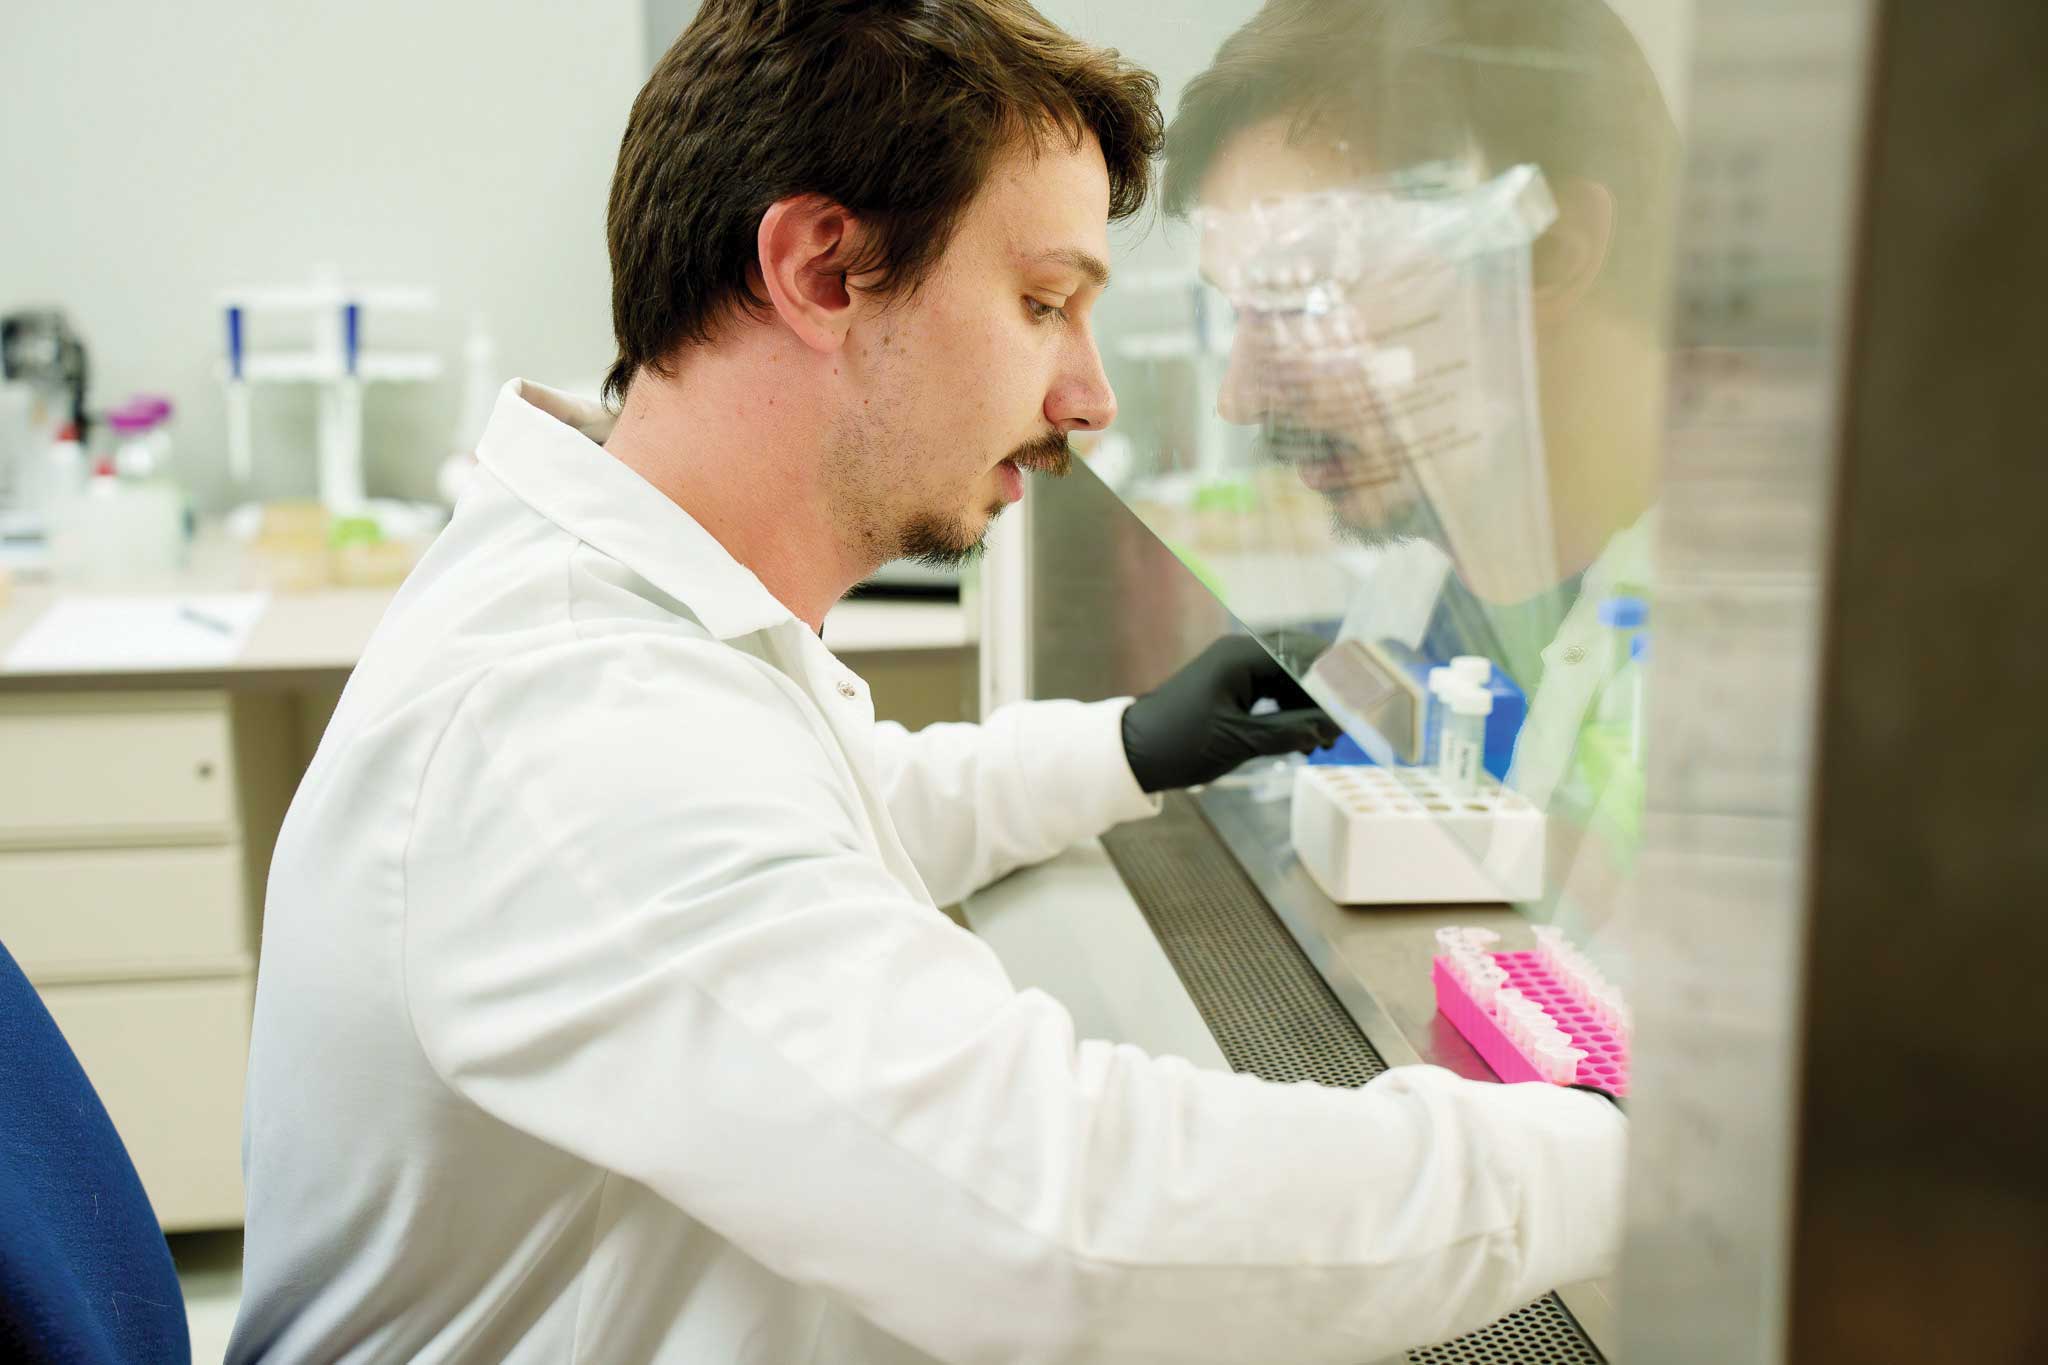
(341, 444)
(240, 463)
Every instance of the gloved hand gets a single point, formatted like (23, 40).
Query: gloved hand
(1198, 725)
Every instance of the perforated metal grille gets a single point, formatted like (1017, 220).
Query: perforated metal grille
(1274, 1017)
(1269, 1011)
(1541, 1334)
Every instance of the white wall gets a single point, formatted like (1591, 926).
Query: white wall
(154, 154)
(1175, 40)
(662, 21)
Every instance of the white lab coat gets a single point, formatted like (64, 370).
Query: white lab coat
(606, 1014)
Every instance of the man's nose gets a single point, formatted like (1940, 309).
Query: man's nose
(1082, 400)
(1241, 400)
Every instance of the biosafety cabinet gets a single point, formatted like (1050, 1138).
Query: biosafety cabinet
(1681, 365)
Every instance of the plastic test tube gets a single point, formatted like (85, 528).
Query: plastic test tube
(1488, 980)
(1639, 655)
(1561, 1064)
(1607, 1006)
(1433, 723)
(1624, 616)
(1453, 937)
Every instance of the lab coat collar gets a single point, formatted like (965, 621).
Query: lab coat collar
(546, 446)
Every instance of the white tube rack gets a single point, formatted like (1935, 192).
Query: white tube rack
(1377, 836)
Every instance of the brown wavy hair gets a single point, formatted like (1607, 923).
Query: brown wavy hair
(894, 109)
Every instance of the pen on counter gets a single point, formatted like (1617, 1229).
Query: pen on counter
(200, 618)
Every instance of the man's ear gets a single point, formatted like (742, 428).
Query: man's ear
(801, 251)
(1569, 256)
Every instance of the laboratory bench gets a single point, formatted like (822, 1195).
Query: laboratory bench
(140, 801)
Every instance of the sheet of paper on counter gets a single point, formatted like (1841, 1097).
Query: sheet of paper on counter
(137, 633)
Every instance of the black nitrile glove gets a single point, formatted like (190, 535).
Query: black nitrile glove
(1197, 725)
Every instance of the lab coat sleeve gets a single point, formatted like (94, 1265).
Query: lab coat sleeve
(655, 938)
(973, 802)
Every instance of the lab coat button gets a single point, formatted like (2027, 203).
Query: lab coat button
(847, 690)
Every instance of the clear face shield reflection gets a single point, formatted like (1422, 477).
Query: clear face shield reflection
(1384, 346)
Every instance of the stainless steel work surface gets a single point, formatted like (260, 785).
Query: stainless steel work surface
(1375, 958)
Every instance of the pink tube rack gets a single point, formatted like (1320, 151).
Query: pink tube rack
(1606, 1063)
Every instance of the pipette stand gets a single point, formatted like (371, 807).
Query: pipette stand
(331, 316)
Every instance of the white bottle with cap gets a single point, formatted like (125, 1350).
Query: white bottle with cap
(1465, 737)
(1476, 669)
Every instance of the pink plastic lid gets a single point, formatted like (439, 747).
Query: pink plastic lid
(139, 413)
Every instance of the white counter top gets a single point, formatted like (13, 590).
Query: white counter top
(324, 631)
(885, 626)
(1069, 927)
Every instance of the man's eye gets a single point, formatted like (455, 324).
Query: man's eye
(1042, 312)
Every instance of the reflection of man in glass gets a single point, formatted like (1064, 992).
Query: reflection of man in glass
(1417, 100)
(1391, 362)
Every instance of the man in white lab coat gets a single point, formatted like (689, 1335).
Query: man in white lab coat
(606, 1012)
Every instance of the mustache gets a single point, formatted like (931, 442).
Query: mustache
(1297, 445)
(1049, 454)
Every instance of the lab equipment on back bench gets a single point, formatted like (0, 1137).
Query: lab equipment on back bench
(43, 373)
(119, 531)
(330, 318)
(141, 429)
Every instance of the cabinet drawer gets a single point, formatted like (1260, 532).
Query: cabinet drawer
(168, 1060)
(71, 914)
(84, 768)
